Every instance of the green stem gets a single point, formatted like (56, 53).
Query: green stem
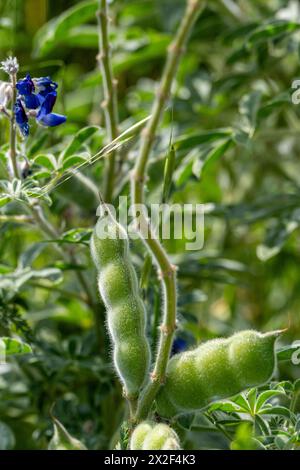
(13, 133)
(18, 219)
(109, 103)
(167, 271)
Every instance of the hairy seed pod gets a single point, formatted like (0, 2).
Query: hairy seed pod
(151, 436)
(217, 369)
(126, 316)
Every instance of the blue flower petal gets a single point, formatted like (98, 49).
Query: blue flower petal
(21, 118)
(25, 86)
(31, 101)
(47, 105)
(45, 85)
(52, 119)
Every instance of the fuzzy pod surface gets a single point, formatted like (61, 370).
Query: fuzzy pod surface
(152, 436)
(217, 369)
(126, 315)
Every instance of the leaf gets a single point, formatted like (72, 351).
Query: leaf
(5, 200)
(271, 30)
(12, 346)
(82, 136)
(210, 157)
(46, 160)
(62, 440)
(265, 396)
(277, 236)
(51, 34)
(276, 410)
(193, 140)
(30, 254)
(72, 162)
(249, 107)
(185, 169)
(226, 406)
(77, 235)
(263, 425)
(286, 353)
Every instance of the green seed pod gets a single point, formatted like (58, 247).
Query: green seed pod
(139, 435)
(216, 369)
(62, 440)
(151, 436)
(126, 316)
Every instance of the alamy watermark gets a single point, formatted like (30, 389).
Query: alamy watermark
(167, 222)
(295, 359)
(296, 93)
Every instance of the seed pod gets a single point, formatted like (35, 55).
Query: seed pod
(126, 316)
(216, 369)
(151, 436)
(62, 440)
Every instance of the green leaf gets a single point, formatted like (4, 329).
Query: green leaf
(51, 34)
(46, 160)
(271, 30)
(265, 396)
(193, 140)
(286, 353)
(73, 162)
(82, 136)
(77, 235)
(226, 406)
(5, 200)
(12, 346)
(276, 410)
(62, 440)
(209, 157)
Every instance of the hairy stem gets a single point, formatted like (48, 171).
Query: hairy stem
(167, 271)
(109, 104)
(13, 130)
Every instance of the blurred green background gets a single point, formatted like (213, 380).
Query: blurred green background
(236, 132)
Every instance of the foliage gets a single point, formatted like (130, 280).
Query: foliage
(230, 132)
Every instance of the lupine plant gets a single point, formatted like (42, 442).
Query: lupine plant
(109, 343)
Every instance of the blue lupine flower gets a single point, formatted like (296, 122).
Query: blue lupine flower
(25, 86)
(43, 101)
(26, 89)
(21, 118)
(45, 116)
(45, 86)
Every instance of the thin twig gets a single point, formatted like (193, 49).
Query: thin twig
(109, 104)
(167, 271)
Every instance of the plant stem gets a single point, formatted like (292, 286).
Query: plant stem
(109, 105)
(13, 151)
(167, 271)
